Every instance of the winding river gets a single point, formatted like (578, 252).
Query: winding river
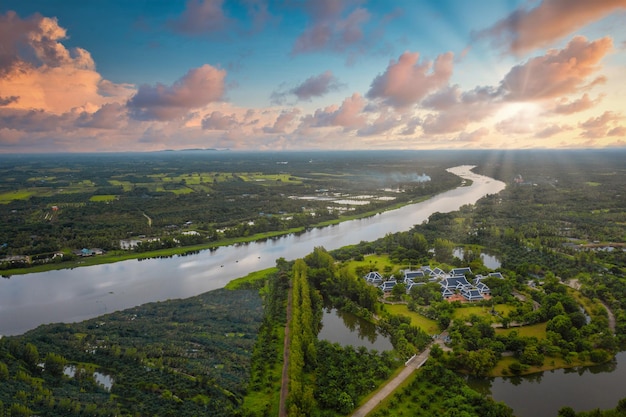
(70, 295)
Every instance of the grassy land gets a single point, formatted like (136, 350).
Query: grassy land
(258, 401)
(251, 279)
(103, 197)
(482, 311)
(534, 330)
(549, 364)
(424, 323)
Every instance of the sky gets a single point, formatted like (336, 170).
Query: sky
(264, 75)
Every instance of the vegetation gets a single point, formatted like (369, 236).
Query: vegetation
(184, 357)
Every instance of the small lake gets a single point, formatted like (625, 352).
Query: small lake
(490, 261)
(102, 379)
(543, 394)
(350, 330)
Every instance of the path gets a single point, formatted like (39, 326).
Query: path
(147, 217)
(412, 364)
(284, 386)
(611, 317)
(574, 283)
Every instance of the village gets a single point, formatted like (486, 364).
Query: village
(454, 284)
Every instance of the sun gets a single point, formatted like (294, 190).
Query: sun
(518, 110)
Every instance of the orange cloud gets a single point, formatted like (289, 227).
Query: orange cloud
(551, 20)
(199, 87)
(599, 127)
(564, 106)
(406, 82)
(558, 72)
(38, 72)
(551, 130)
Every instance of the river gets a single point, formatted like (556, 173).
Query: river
(71, 295)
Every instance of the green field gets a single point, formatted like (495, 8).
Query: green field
(465, 312)
(103, 197)
(424, 323)
(6, 198)
(534, 330)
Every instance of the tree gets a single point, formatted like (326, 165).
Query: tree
(567, 412)
(55, 364)
(30, 355)
(398, 291)
(444, 250)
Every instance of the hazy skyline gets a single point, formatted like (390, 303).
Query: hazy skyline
(148, 75)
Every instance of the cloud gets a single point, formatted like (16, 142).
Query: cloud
(519, 124)
(35, 41)
(598, 127)
(200, 17)
(315, 86)
(42, 73)
(551, 130)
(383, 123)
(109, 116)
(219, 121)
(443, 99)
(617, 131)
(551, 20)
(558, 72)
(473, 136)
(199, 87)
(283, 121)
(329, 29)
(5, 101)
(469, 107)
(405, 82)
(569, 107)
(349, 115)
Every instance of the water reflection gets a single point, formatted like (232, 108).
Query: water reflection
(582, 388)
(350, 330)
(102, 379)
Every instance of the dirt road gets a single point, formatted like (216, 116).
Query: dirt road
(413, 364)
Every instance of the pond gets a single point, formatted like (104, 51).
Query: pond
(350, 330)
(543, 394)
(490, 261)
(102, 379)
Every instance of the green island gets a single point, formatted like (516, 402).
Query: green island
(557, 299)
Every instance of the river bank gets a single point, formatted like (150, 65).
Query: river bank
(125, 255)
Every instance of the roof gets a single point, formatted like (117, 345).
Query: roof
(456, 282)
(461, 271)
(413, 274)
(472, 295)
(388, 285)
(496, 275)
(373, 276)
